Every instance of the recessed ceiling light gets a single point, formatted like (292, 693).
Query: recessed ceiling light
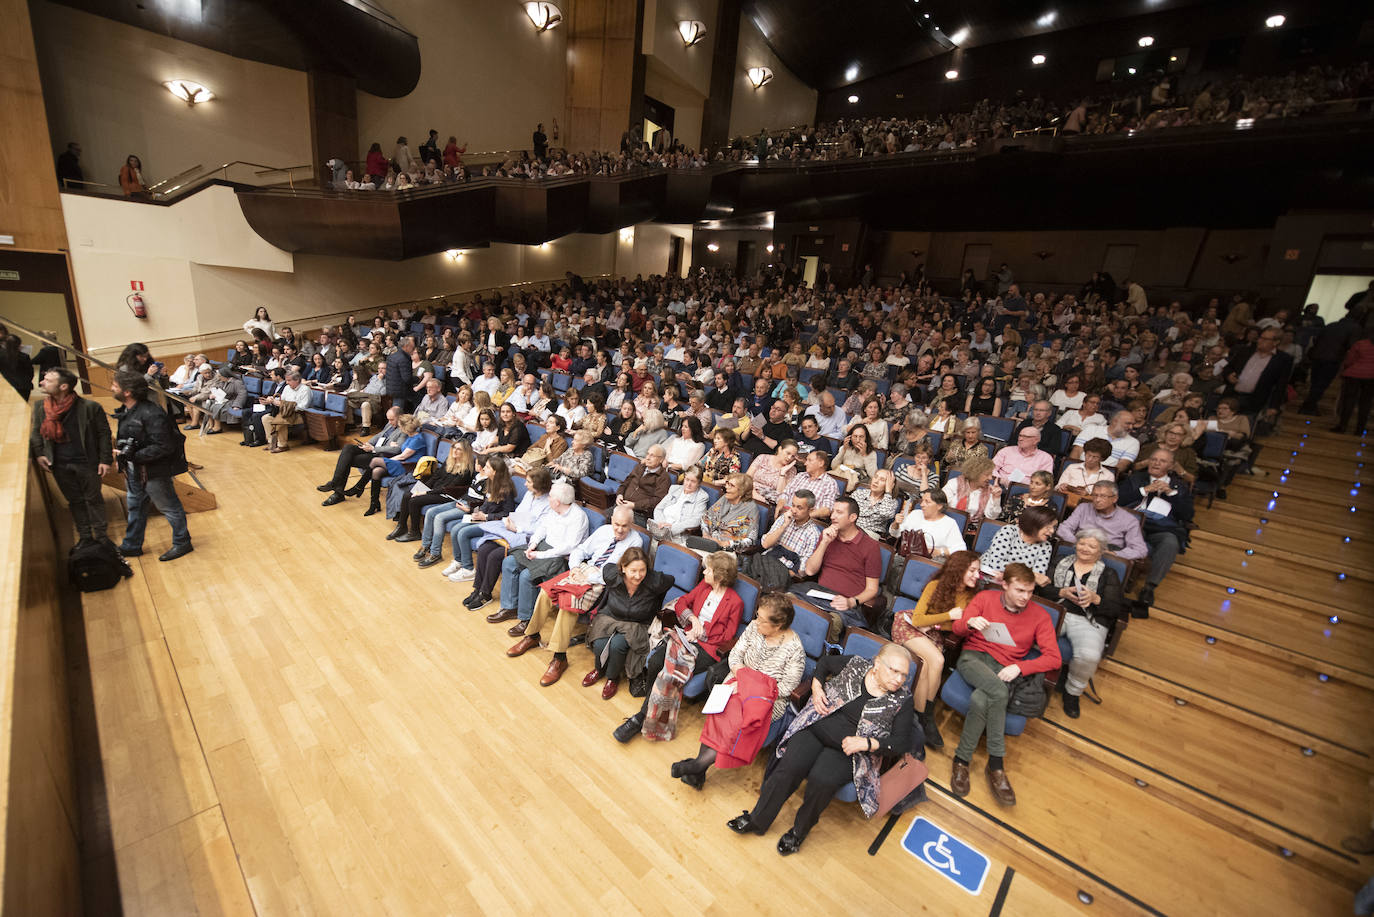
(927, 15)
(1037, 59)
(1275, 21)
(1131, 71)
(1047, 19)
(1173, 58)
(951, 74)
(1145, 41)
(851, 73)
(853, 99)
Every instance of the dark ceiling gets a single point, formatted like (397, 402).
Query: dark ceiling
(353, 37)
(833, 43)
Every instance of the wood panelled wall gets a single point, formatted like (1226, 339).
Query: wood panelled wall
(30, 208)
(605, 72)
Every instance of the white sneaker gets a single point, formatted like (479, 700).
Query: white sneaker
(463, 575)
(451, 569)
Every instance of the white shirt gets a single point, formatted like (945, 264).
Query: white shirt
(590, 551)
(1065, 402)
(942, 532)
(680, 510)
(300, 394)
(562, 531)
(1075, 419)
(522, 400)
(486, 384)
(683, 453)
(830, 426)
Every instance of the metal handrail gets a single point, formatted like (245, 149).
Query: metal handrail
(67, 182)
(223, 170)
(152, 189)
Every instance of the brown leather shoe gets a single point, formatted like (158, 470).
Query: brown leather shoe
(501, 616)
(275, 449)
(608, 690)
(524, 646)
(591, 678)
(518, 629)
(1001, 787)
(958, 780)
(553, 672)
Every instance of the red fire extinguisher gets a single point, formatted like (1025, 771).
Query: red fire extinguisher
(136, 305)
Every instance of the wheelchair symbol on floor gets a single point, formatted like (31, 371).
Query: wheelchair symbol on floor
(947, 855)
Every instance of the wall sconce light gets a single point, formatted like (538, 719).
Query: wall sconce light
(544, 15)
(543, 246)
(712, 247)
(627, 235)
(917, 253)
(853, 100)
(189, 92)
(951, 74)
(455, 253)
(691, 30)
(1043, 255)
(759, 76)
(1275, 22)
(769, 248)
(1145, 41)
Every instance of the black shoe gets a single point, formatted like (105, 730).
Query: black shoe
(333, 499)
(1071, 706)
(430, 560)
(397, 532)
(420, 554)
(1147, 596)
(743, 824)
(930, 730)
(373, 509)
(628, 729)
(175, 552)
(695, 781)
(406, 536)
(326, 488)
(130, 552)
(476, 600)
(356, 490)
(789, 843)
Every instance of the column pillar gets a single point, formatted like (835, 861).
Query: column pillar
(333, 123)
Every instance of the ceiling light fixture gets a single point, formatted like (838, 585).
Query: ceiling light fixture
(712, 247)
(1275, 21)
(1047, 19)
(960, 36)
(1131, 71)
(759, 76)
(853, 99)
(543, 14)
(951, 74)
(189, 92)
(851, 73)
(1037, 60)
(691, 30)
(1145, 41)
(769, 246)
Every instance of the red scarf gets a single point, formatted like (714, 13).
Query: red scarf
(54, 410)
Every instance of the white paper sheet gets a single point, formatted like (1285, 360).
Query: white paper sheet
(720, 694)
(997, 632)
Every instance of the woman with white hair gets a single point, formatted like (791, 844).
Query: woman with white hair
(1174, 396)
(1090, 593)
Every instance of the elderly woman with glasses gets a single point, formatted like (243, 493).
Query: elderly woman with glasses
(1090, 592)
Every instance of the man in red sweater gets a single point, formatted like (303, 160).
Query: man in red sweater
(989, 664)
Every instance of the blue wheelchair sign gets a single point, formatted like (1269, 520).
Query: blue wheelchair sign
(947, 855)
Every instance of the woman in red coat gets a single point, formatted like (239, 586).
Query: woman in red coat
(711, 614)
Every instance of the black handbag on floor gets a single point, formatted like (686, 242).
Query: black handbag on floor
(96, 565)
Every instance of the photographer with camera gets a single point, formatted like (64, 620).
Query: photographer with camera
(70, 437)
(150, 450)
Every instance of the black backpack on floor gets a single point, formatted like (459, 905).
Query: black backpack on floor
(96, 565)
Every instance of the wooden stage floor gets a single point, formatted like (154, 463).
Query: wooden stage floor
(293, 719)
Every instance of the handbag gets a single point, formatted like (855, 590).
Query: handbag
(913, 544)
(1027, 696)
(900, 786)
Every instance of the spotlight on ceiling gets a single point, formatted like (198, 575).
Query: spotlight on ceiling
(691, 30)
(926, 15)
(627, 234)
(851, 73)
(1037, 59)
(960, 36)
(712, 247)
(189, 92)
(1047, 19)
(1131, 71)
(853, 99)
(1145, 41)
(1275, 21)
(759, 76)
(543, 15)
(951, 74)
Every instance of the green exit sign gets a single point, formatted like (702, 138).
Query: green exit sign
(9, 275)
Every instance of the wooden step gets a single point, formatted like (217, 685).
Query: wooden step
(1256, 772)
(1279, 573)
(1263, 593)
(1324, 520)
(1244, 530)
(1307, 488)
(1335, 710)
(1293, 505)
(194, 498)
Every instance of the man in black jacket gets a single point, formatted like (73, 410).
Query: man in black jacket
(400, 375)
(1042, 418)
(151, 451)
(1260, 376)
(1166, 521)
(70, 437)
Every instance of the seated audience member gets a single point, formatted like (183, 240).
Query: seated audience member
(859, 713)
(829, 418)
(793, 536)
(434, 404)
(686, 449)
(983, 399)
(412, 446)
(619, 635)
(733, 522)
(1025, 541)
(848, 566)
(550, 542)
(1125, 447)
(619, 427)
(652, 431)
(856, 461)
(367, 399)
(1078, 480)
(227, 392)
(723, 460)
(575, 463)
(989, 668)
(922, 631)
(550, 446)
(1100, 512)
(926, 515)
(878, 505)
(809, 439)
(770, 650)
(512, 439)
(1014, 464)
(360, 455)
(488, 547)
(1039, 491)
(974, 491)
(872, 419)
(813, 477)
(646, 486)
(771, 473)
(560, 607)
(923, 473)
(441, 487)
(1075, 420)
(491, 497)
(681, 509)
(1173, 438)
(455, 419)
(1051, 433)
(967, 444)
(1166, 500)
(709, 616)
(768, 434)
(1090, 593)
(594, 422)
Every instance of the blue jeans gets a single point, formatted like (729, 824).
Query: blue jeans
(518, 588)
(160, 493)
(437, 520)
(463, 538)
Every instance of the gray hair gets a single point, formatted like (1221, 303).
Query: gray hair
(656, 447)
(1108, 486)
(897, 389)
(1097, 535)
(293, 376)
(806, 496)
(563, 492)
(623, 512)
(972, 423)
